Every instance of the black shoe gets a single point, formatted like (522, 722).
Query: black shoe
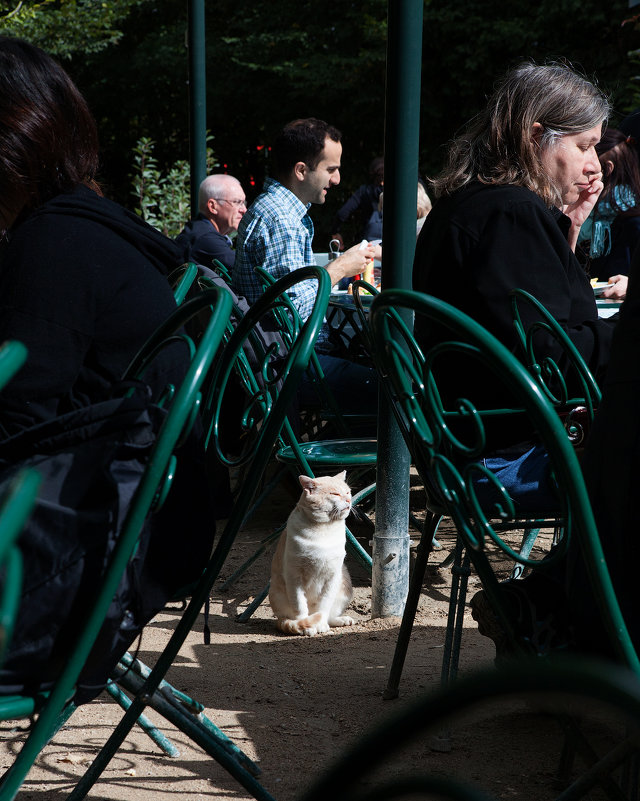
(489, 626)
(536, 610)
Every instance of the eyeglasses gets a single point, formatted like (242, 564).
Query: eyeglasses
(233, 202)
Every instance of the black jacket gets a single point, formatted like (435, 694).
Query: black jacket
(82, 285)
(483, 241)
(611, 472)
(201, 242)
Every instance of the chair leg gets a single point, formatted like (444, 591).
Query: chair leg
(460, 572)
(251, 608)
(155, 678)
(187, 715)
(528, 540)
(264, 544)
(411, 605)
(164, 743)
(599, 771)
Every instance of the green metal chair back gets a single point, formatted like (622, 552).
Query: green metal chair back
(447, 437)
(272, 379)
(363, 294)
(181, 280)
(555, 363)
(15, 506)
(219, 268)
(313, 456)
(180, 403)
(289, 323)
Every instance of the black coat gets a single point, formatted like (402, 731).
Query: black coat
(483, 241)
(201, 242)
(83, 283)
(611, 470)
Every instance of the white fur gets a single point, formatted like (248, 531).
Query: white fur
(310, 585)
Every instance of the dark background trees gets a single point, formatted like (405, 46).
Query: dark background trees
(269, 62)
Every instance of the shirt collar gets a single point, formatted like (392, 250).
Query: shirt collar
(286, 196)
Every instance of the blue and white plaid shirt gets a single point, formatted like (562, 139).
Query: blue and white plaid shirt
(276, 233)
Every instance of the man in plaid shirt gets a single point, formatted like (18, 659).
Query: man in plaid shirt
(276, 233)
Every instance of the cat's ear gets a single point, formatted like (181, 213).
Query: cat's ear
(342, 476)
(307, 483)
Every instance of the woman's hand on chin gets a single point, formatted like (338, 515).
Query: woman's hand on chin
(581, 208)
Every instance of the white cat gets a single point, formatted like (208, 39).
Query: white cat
(310, 584)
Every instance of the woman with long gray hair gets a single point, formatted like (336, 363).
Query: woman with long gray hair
(509, 204)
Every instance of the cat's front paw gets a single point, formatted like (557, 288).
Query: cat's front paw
(343, 620)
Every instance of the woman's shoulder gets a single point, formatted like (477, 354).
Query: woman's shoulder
(489, 196)
(476, 206)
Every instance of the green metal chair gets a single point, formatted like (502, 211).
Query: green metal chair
(447, 438)
(53, 708)
(317, 452)
(449, 462)
(310, 456)
(273, 377)
(376, 768)
(181, 280)
(556, 364)
(16, 504)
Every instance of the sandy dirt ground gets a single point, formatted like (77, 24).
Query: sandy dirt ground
(293, 704)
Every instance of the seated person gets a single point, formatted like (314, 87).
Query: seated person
(221, 204)
(612, 230)
(423, 207)
(83, 284)
(509, 217)
(364, 204)
(276, 234)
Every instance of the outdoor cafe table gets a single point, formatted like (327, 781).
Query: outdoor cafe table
(344, 323)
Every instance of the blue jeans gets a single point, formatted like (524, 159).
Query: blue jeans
(526, 478)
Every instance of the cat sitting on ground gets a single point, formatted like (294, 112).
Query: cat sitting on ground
(310, 584)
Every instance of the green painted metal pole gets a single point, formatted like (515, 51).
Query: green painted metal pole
(390, 577)
(197, 100)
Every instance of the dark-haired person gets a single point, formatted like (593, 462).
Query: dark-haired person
(612, 230)
(82, 280)
(276, 234)
(83, 284)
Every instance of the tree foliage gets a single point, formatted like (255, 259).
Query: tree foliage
(65, 27)
(163, 199)
(269, 61)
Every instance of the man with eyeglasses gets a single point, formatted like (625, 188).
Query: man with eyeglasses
(221, 204)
